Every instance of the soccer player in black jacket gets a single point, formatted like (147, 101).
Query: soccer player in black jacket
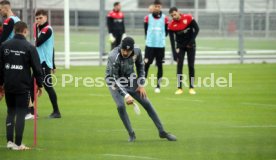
(17, 58)
(183, 29)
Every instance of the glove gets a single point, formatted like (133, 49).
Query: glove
(111, 38)
(124, 36)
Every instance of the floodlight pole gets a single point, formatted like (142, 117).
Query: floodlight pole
(102, 31)
(241, 31)
(67, 34)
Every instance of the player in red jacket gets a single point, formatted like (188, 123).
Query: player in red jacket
(116, 25)
(183, 30)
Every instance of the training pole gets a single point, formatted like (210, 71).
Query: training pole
(35, 113)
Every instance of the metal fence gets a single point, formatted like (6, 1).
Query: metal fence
(256, 24)
(216, 18)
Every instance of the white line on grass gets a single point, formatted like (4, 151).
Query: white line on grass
(259, 104)
(32, 148)
(129, 156)
(255, 126)
(177, 99)
(118, 130)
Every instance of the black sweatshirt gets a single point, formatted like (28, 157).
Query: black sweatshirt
(17, 58)
(115, 22)
(183, 37)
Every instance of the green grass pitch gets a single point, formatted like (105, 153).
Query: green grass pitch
(216, 123)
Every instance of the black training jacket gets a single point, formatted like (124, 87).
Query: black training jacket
(17, 58)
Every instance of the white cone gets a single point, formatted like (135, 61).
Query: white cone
(136, 109)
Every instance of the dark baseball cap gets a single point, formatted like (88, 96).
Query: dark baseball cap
(128, 43)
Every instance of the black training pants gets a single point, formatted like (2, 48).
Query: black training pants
(191, 64)
(121, 107)
(48, 85)
(158, 54)
(17, 108)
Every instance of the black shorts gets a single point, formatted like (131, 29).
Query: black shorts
(154, 53)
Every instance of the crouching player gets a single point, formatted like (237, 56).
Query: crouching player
(121, 65)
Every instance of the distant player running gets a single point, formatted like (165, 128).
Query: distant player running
(120, 65)
(183, 29)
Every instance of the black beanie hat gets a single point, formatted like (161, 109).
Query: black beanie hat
(128, 43)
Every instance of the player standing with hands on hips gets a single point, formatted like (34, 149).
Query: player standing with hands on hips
(17, 58)
(183, 30)
(116, 25)
(124, 84)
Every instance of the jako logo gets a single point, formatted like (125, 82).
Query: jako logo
(15, 67)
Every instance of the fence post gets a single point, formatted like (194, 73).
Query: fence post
(76, 19)
(172, 3)
(252, 23)
(67, 34)
(241, 32)
(196, 10)
(31, 20)
(102, 32)
(267, 23)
